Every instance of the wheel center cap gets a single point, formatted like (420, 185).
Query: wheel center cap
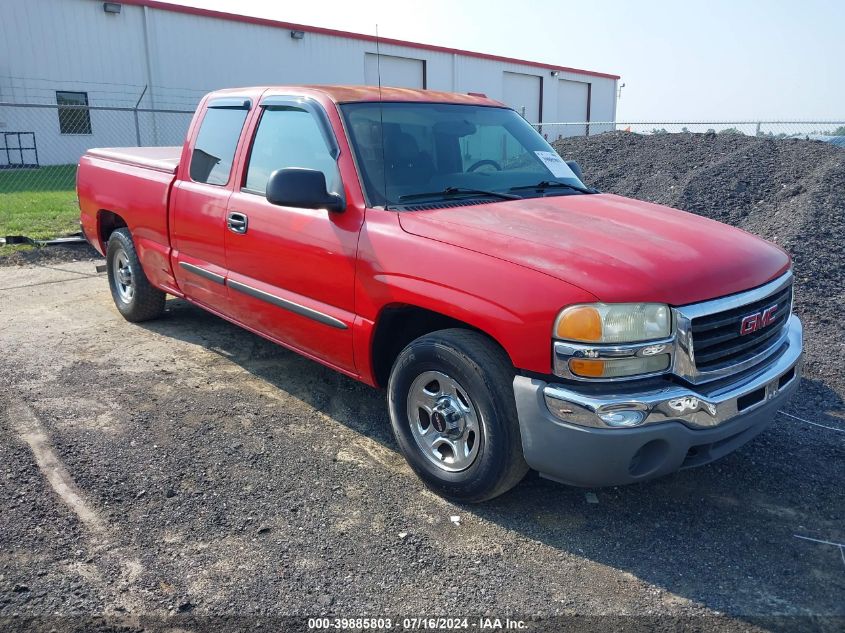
(124, 276)
(446, 418)
(438, 421)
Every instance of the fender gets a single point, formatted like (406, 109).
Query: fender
(512, 304)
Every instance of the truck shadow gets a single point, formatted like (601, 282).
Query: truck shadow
(722, 536)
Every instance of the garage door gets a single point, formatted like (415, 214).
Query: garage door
(399, 72)
(572, 107)
(522, 93)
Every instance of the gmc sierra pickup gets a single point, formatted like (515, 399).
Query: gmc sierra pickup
(436, 245)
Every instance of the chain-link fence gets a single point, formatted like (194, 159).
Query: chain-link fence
(39, 138)
(40, 146)
(831, 131)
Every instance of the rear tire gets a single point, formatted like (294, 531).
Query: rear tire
(135, 297)
(454, 417)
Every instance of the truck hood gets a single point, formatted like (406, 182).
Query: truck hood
(615, 248)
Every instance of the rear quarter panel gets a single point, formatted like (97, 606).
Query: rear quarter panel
(140, 196)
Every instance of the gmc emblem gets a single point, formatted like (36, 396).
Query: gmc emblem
(757, 321)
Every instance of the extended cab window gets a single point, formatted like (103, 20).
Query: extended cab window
(214, 151)
(288, 136)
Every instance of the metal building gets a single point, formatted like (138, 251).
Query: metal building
(152, 56)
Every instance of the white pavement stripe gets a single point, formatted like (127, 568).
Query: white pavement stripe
(841, 546)
(123, 594)
(829, 428)
(815, 540)
(30, 431)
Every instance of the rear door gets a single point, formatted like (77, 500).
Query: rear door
(292, 270)
(199, 201)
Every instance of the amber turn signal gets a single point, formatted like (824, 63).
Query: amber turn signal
(579, 323)
(619, 367)
(587, 368)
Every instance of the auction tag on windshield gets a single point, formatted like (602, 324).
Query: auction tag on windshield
(555, 164)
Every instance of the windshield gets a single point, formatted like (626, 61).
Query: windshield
(446, 149)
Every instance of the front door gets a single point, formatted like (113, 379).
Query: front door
(293, 269)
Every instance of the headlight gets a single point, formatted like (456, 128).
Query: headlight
(613, 323)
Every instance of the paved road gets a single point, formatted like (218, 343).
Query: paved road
(185, 466)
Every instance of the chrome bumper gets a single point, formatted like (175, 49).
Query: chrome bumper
(698, 409)
(565, 438)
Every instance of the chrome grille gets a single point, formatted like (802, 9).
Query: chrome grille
(716, 338)
(709, 345)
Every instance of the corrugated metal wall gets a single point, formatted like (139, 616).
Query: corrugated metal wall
(74, 45)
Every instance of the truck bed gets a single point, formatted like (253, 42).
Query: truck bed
(164, 159)
(132, 184)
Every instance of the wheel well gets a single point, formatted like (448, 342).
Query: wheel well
(107, 222)
(397, 326)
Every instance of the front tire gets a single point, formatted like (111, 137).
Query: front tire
(135, 297)
(454, 417)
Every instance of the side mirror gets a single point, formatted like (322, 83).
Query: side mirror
(303, 188)
(576, 169)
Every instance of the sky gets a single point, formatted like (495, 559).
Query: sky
(680, 61)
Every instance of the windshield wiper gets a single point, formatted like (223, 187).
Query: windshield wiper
(451, 191)
(552, 184)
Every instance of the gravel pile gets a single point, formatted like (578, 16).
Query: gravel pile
(789, 191)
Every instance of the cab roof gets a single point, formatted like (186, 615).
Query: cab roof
(354, 94)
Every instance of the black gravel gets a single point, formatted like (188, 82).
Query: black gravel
(245, 481)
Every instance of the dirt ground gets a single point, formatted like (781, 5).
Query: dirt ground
(185, 468)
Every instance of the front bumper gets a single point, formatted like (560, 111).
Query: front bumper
(563, 438)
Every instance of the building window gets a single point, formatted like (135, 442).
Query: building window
(73, 120)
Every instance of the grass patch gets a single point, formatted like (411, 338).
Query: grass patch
(39, 203)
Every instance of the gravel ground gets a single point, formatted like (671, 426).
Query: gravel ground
(154, 477)
(186, 468)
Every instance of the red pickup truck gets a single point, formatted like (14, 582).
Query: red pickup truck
(436, 245)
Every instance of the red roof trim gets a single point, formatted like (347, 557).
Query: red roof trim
(221, 15)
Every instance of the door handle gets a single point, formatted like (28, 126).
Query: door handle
(237, 222)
